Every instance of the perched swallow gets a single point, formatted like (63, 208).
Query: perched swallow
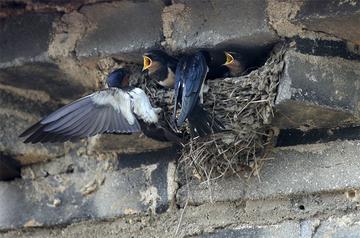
(160, 67)
(191, 72)
(215, 62)
(118, 109)
(235, 63)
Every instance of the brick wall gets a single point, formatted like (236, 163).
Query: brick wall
(52, 52)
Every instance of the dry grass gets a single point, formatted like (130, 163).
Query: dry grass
(244, 104)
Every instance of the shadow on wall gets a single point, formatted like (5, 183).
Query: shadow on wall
(44, 77)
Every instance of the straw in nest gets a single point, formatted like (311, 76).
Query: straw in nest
(244, 104)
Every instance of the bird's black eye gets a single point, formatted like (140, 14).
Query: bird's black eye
(229, 58)
(147, 62)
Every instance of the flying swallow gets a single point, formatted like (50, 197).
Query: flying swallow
(120, 109)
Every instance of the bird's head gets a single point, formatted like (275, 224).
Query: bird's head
(155, 60)
(233, 61)
(160, 67)
(118, 78)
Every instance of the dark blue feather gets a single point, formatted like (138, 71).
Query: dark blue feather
(190, 75)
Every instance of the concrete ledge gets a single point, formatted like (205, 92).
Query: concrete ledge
(289, 229)
(336, 227)
(13, 124)
(135, 143)
(288, 171)
(97, 193)
(316, 85)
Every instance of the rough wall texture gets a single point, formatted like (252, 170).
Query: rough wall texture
(52, 52)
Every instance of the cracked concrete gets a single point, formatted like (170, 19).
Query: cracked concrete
(320, 211)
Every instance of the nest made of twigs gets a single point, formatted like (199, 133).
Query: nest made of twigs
(244, 104)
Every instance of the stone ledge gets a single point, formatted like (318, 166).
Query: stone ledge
(290, 229)
(209, 218)
(13, 124)
(335, 227)
(316, 85)
(125, 144)
(289, 171)
(97, 193)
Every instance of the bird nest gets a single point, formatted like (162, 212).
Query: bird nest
(244, 105)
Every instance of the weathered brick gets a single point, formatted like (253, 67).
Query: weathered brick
(43, 77)
(289, 171)
(282, 230)
(313, 85)
(335, 17)
(121, 28)
(26, 37)
(12, 125)
(21, 108)
(14, 8)
(336, 227)
(193, 24)
(25, 44)
(135, 143)
(37, 104)
(96, 193)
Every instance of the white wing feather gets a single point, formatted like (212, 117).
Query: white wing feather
(119, 100)
(142, 107)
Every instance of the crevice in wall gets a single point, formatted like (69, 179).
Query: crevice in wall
(9, 167)
(289, 137)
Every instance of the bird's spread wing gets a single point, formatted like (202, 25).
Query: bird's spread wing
(107, 111)
(141, 106)
(190, 75)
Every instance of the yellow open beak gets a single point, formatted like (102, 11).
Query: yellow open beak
(147, 63)
(229, 58)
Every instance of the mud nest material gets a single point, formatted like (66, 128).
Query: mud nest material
(244, 104)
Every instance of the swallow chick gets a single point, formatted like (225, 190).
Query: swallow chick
(118, 109)
(235, 63)
(191, 72)
(160, 67)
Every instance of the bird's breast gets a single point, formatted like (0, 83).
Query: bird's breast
(169, 80)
